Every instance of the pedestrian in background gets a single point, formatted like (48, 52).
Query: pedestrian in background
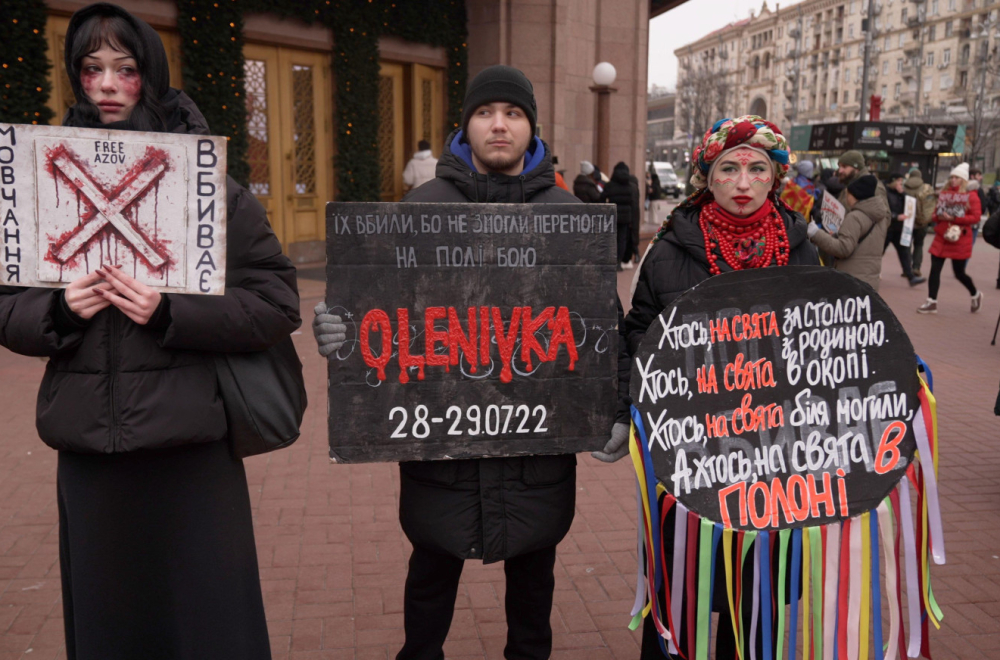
(924, 193)
(584, 186)
(560, 181)
(619, 191)
(421, 167)
(156, 545)
(858, 246)
(851, 167)
(956, 212)
(894, 236)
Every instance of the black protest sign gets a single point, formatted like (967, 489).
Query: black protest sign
(473, 329)
(777, 398)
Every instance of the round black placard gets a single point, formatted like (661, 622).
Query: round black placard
(777, 398)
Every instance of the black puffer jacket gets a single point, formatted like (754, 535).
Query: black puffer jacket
(621, 192)
(490, 508)
(677, 262)
(112, 385)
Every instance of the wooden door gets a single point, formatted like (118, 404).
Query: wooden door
(62, 92)
(391, 130)
(260, 79)
(290, 141)
(304, 95)
(427, 116)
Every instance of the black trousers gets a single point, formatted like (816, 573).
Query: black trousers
(917, 247)
(894, 236)
(624, 242)
(429, 603)
(957, 266)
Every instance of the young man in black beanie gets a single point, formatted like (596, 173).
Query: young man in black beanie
(515, 509)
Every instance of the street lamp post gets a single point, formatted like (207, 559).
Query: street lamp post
(604, 76)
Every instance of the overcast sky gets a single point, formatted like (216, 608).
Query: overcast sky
(690, 22)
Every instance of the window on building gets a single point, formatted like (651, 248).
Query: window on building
(854, 7)
(934, 7)
(930, 58)
(885, 92)
(946, 56)
(902, 15)
(847, 53)
(897, 89)
(857, 95)
(899, 64)
(951, 5)
(887, 43)
(779, 33)
(859, 73)
(948, 29)
(932, 33)
(885, 67)
(902, 39)
(847, 75)
(833, 99)
(963, 79)
(850, 31)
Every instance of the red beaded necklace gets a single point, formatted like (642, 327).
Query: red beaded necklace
(751, 242)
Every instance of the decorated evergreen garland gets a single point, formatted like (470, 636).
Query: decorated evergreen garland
(212, 53)
(24, 65)
(356, 28)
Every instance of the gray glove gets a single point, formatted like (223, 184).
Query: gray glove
(812, 229)
(329, 330)
(617, 446)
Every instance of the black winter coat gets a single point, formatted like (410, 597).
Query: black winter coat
(621, 191)
(677, 262)
(112, 385)
(489, 508)
(585, 189)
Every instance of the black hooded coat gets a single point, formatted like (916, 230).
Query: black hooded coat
(112, 385)
(489, 508)
(156, 547)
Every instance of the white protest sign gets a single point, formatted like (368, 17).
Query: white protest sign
(75, 199)
(910, 211)
(832, 213)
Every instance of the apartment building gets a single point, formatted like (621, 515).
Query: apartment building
(803, 63)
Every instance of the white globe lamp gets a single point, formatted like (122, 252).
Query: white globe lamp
(604, 74)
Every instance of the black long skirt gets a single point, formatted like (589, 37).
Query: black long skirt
(158, 558)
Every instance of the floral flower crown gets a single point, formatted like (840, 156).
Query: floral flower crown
(726, 134)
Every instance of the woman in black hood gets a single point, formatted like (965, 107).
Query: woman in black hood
(156, 545)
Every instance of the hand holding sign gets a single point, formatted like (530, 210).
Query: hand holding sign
(83, 295)
(136, 300)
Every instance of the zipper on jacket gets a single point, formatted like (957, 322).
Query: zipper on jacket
(113, 377)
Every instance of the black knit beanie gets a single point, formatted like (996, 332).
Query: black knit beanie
(500, 83)
(863, 187)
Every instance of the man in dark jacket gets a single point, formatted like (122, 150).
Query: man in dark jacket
(851, 167)
(496, 509)
(621, 192)
(897, 208)
(584, 186)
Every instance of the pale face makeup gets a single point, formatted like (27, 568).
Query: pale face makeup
(111, 80)
(499, 135)
(741, 181)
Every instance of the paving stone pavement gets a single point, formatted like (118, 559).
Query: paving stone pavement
(333, 558)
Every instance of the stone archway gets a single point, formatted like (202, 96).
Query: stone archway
(758, 107)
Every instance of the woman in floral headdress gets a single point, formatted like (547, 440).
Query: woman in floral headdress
(733, 221)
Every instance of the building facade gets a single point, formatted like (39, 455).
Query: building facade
(660, 142)
(290, 84)
(932, 60)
